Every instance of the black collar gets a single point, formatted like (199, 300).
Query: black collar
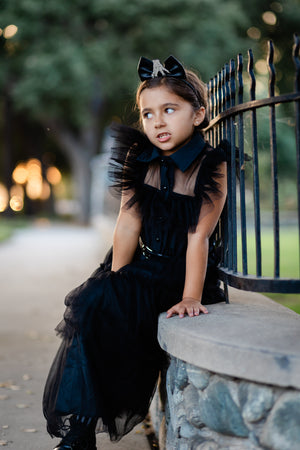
(183, 157)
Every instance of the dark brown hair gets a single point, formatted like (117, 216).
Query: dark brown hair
(196, 96)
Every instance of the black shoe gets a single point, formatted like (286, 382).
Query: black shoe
(81, 435)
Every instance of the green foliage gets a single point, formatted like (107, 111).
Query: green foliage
(69, 58)
(75, 62)
(287, 13)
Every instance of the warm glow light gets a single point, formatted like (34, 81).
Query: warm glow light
(20, 174)
(269, 18)
(53, 175)
(34, 184)
(10, 31)
(34, 188)
(46, 191)
(254, 33)
(3, 198)
(16, 190)
(261, 67)
(34, 167)
(16, 203)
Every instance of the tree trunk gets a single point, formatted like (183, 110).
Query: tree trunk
(7, 146)
(82, 180)
(79, 151)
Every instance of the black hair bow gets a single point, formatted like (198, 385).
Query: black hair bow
(151, 69)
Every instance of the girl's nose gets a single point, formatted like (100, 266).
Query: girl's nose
(159, 121)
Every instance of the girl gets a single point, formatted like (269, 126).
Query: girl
(173, 189)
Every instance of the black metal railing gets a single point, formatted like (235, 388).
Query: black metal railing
(236, 120)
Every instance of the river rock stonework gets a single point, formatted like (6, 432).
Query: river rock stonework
(202, 410)
(232, 380)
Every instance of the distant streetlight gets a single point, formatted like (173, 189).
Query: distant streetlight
(269, 18)
(254, 33)
(20, 174)
(46, 191)
(10, 31)
(53, 175)
(4, 198)
(28, 177)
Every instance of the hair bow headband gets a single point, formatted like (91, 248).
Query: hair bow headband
(148, 69)
(152, 69)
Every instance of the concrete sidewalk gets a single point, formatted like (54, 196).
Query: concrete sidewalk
(39, 265)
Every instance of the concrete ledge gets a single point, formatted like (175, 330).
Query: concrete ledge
(252, 338)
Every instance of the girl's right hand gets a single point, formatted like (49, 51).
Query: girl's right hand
(189, 306)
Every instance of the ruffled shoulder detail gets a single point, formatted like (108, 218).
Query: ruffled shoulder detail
(208, 175)
(125, 171)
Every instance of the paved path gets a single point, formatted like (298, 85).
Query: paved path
(38, 266)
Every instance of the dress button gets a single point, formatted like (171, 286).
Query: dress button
(165, 188)
(162, 160)
(157, 239)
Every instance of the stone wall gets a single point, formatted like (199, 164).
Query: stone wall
(197, 408)
(207, 411)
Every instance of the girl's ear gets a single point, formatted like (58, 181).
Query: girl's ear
(199, 116)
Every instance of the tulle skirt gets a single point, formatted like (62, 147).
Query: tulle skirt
(109, 359)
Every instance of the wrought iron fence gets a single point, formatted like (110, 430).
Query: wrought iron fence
(236, 120)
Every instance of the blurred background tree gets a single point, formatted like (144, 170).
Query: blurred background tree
(68, 68)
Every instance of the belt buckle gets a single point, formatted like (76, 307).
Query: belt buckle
(144, 251)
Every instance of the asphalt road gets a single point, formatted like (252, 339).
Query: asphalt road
(38, 266)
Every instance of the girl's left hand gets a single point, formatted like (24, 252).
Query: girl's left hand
(187, 305)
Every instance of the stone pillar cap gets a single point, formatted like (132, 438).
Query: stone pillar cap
(252, 338)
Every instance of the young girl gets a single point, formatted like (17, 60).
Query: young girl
(173, 189)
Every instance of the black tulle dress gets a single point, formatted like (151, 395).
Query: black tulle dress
(109, 359)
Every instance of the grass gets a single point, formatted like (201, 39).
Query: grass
(289, 260)
(9, 225)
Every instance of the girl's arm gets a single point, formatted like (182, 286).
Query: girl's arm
(197, 252)
(126, 234)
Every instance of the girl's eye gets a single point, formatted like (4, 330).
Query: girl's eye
(169, 110)
(147, 115)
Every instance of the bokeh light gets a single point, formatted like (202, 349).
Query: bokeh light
(20, 174)
(10, 31)
(34, 188)
(4, 198)
(16, 203)
(53, 175)
(261, 67)
(34, 184)
(46, 191)
(16, 197)
(28, 175)
(254, 33)
(34, 167)
(269, 18)
(276, 6)
(17, 190)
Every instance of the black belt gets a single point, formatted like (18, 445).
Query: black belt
(148, 252)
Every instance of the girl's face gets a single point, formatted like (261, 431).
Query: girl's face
(168, 120)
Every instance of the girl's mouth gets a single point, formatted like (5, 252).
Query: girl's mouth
(163, 137)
